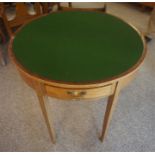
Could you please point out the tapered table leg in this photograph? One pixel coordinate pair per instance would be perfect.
(41, 96)
(112, 100)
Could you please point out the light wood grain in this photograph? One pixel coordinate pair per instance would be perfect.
(40, 91)
(79, 93)
(112, 100)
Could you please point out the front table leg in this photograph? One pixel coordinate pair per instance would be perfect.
(40, 90)
(112, 100)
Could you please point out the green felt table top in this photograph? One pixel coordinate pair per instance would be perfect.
(77, 47)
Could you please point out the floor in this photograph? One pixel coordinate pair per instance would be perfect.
(78, 123)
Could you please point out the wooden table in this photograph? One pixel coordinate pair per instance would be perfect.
(78, 55)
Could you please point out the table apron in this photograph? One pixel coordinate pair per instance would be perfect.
(106, 89)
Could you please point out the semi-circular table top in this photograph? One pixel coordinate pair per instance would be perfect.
(78, 47)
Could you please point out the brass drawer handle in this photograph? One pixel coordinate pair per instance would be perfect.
(76, 93)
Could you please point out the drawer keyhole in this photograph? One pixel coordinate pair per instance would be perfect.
(76, 93)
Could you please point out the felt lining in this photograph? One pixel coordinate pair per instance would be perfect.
(77, 46)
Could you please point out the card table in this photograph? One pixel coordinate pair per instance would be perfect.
(78, 55)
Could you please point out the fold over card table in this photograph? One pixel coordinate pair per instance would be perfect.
(77, 55)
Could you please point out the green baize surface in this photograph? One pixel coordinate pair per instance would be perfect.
(77, 47)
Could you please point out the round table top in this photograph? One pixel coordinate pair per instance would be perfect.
(78, 47)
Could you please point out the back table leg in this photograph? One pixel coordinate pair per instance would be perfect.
(112, 100)
(40, 90)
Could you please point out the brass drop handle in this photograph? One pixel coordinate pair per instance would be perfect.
(76, 93)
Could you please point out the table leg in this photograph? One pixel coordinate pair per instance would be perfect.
(112, 100)
(40, 90)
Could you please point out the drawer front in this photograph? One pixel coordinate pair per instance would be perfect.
(79, 93)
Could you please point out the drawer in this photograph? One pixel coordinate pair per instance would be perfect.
(89, 93)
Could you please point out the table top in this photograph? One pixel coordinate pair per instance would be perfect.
(78, 47)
